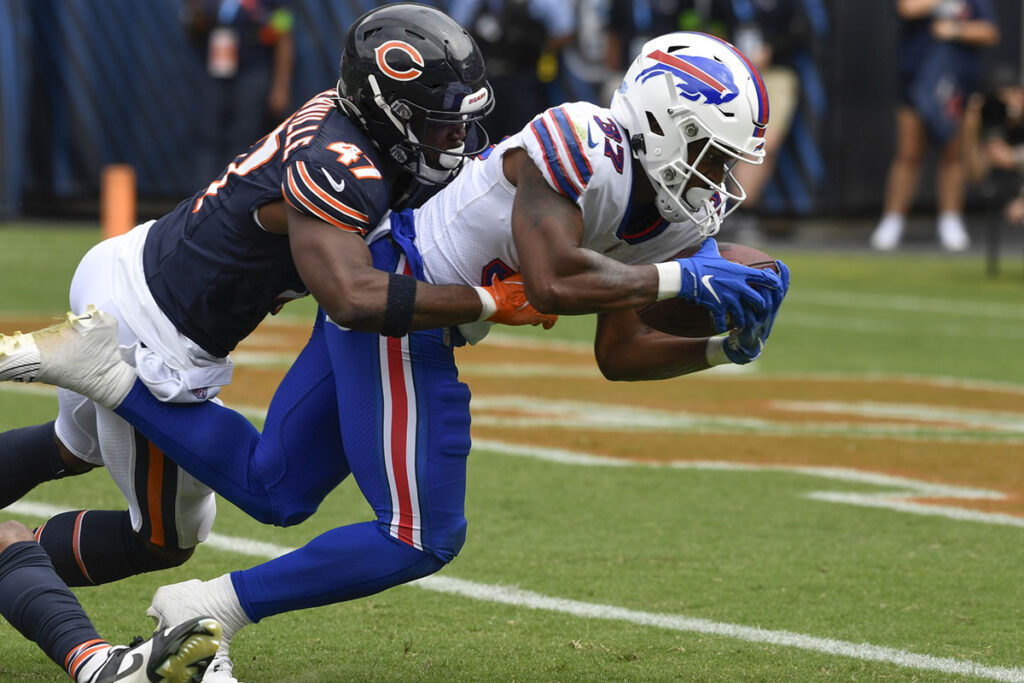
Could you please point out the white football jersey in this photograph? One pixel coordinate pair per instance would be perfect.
(464, 233)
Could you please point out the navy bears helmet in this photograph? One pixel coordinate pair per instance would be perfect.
(407, 67)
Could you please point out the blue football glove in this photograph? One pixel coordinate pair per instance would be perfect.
(746, 344)
(730, 291)
(775, 296)
(743, 346)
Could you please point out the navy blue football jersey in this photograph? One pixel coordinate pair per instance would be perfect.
(210, 266)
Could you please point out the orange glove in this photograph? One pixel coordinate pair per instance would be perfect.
(504, 301)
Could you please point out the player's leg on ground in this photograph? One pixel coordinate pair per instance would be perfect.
(44, 610)
(90, 547)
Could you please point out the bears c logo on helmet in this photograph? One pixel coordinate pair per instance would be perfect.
(403, 69)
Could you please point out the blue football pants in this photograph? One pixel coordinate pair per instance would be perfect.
(390, 411)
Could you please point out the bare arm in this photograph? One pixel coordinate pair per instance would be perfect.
(337, 268)
(628, 350)
(976, 32)
(559, 275)
(916, 9)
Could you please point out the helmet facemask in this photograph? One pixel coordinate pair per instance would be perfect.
(413, 124)
(684, 191)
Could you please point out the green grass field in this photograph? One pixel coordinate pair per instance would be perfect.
(584, 570)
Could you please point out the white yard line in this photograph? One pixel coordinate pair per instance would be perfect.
(510, 595)
(1002, 421)
(540, 413)
(516, 597)
(909, 304)
(902, 499)
(901, 328)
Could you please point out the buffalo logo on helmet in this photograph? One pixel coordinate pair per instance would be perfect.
(393, 64)
(695, 77)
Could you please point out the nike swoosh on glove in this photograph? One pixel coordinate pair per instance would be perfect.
(730, 291)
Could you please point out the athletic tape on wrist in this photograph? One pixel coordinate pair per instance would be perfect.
(714, 352)
(401, 302)
(670, 280)
(487, 304)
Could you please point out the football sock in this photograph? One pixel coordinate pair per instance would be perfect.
(90, 547)
(342, 564)
(216, 598)
(28, 456)
(35, 602)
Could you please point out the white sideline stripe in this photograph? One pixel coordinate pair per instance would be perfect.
(527, 370)
(546, 343)
(998, 421)
(260, 359)
(533, 412)
(900, 500)
(516, 597)
(510, 595)
(937, 381)
(980, 426)
(895, 327)
(909, 304)
(749, 373)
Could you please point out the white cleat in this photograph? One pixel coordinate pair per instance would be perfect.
(952, 232)
(888, 233)
(177, 655)
(80, 354)
(178, 603)
(19, 358)
(219, 670)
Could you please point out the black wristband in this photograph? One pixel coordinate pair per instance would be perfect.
(401, 301)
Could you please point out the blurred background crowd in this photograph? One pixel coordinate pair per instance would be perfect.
(879, 109)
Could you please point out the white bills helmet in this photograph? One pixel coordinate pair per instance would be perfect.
(688, 95)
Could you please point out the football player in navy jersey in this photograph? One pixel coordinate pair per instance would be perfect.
(286, 218)
(583, 200)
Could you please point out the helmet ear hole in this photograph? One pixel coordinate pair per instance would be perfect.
(653, 125)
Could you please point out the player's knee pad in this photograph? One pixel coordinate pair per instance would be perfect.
(90, 547)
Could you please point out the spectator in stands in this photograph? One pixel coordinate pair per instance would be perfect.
(939, 64)
(521, 41)
(771, 37)
(994, 128)
(634, 22)
(247, 53)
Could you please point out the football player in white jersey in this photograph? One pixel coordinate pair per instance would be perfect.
(582, 202)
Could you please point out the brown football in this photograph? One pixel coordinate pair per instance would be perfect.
(685, 319)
